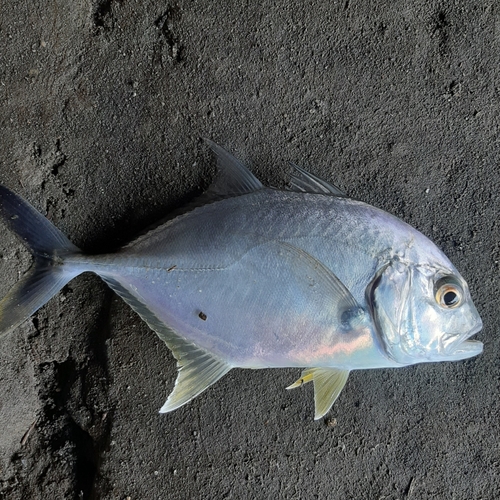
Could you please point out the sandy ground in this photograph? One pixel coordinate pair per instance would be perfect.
(102, 107)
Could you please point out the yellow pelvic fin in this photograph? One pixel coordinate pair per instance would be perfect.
(307, 376)
(328, 382)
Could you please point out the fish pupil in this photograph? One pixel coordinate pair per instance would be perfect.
(450, 298)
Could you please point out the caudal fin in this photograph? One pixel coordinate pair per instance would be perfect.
(49, 248)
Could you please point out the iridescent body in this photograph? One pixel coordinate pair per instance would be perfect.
(254, 277)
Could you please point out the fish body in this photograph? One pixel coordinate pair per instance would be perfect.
(254, 277)
(232, 261)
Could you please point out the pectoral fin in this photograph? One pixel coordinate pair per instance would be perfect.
(328, 382)
(308, 271)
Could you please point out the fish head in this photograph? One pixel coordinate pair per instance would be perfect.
(423, 313)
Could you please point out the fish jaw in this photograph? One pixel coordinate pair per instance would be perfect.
(467, 349)
(463, 347)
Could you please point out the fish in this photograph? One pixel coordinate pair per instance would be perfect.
(249, 276)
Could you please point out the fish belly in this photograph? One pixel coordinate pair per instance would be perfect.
(248, 314)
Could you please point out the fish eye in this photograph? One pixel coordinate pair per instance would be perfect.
(448, 293)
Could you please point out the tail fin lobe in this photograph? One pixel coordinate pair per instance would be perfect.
(48, 275)
(31, 227)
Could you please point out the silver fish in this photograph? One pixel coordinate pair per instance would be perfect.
(254, 277)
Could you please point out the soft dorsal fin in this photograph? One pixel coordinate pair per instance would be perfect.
(305, 182)
(198, 368)
(328, 382)
(233, 178)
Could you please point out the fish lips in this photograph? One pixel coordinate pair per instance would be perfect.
(462, 347)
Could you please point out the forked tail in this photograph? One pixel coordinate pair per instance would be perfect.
(47, 275)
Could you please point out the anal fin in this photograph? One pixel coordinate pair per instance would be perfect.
(328, 383)
(198, 368)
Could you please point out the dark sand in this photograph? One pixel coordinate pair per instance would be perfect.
(102, 107)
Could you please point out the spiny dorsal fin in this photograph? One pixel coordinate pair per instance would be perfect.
(198, 369)
(233, 178)
(328, 382)
(305, 182)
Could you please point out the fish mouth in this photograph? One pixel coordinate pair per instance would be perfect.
(467, 349)
(464, 348)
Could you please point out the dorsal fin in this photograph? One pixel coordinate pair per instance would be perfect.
(233, 178)
(305, 182)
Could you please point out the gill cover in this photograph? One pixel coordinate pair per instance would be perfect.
(388, 298)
